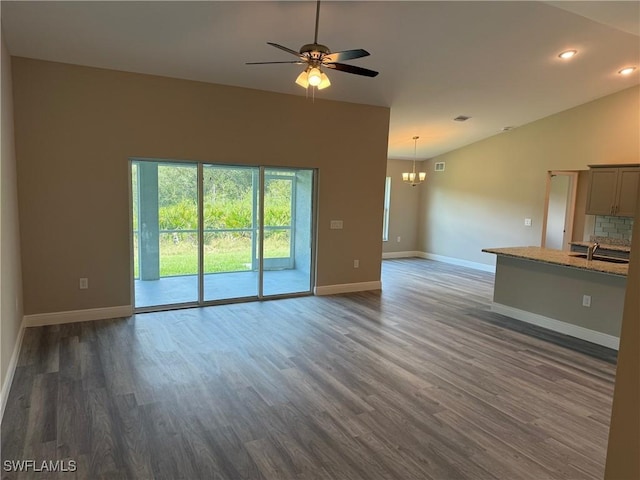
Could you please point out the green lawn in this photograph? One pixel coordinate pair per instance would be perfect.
(222, 253)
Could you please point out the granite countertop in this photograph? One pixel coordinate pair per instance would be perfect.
(605, 246)
(559, 257)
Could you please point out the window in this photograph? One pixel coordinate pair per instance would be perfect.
(387, 204)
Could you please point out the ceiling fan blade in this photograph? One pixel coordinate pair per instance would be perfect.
(343, 67)
(298, 62)
(293, 52)
(345, 55)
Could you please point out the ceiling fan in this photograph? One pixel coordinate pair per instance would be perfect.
(317, 56)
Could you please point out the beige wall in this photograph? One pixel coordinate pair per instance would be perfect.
(403, 214)
(10, 273)
(623, 461)
(76, 127)
(489, 187)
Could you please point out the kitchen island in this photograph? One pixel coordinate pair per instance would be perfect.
(555, 289)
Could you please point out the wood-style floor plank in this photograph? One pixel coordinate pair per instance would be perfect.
(419, 381)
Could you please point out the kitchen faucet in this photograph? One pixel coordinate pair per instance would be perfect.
(591, 250)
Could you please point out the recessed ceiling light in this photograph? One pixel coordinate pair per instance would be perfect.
(567, 54)
(627, 71)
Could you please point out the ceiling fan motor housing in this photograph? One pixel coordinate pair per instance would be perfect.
(315, 50)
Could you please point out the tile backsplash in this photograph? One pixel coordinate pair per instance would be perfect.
(613, 227)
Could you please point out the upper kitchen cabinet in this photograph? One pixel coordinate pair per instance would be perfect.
(613, 190)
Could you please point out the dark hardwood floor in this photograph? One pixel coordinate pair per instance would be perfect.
(419, 381)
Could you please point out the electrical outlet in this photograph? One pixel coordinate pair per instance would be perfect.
(356, 264)
(527, 222)
(398, 239)
(84, 283)
(336, 225)
(586, 300)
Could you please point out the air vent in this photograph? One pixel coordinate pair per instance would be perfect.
(461, 118)
(439, 167)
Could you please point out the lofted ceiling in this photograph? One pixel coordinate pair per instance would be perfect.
(495, 62)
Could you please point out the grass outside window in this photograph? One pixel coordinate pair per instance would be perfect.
(223, 252)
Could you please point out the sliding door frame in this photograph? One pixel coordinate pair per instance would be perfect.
(261, 184)
(259, 193)
(200, 232)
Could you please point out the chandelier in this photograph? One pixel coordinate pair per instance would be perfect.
(413, 178)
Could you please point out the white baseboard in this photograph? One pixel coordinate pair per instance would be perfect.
(460, 262)
(11, 370)
(347, 288)
(577, 331)
(56, 318)
(441, 258)
(402, 254)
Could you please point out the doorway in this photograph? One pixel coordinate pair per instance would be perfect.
(560, 202)
(204, 234)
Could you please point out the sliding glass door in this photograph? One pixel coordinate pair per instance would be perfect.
(288, 228)
(230, 196)
(205, 233)
(165, 233)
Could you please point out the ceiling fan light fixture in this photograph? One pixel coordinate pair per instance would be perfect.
(324, 81)
(314, 77)
(303, 79)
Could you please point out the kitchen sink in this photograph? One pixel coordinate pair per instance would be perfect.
(601, 258)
